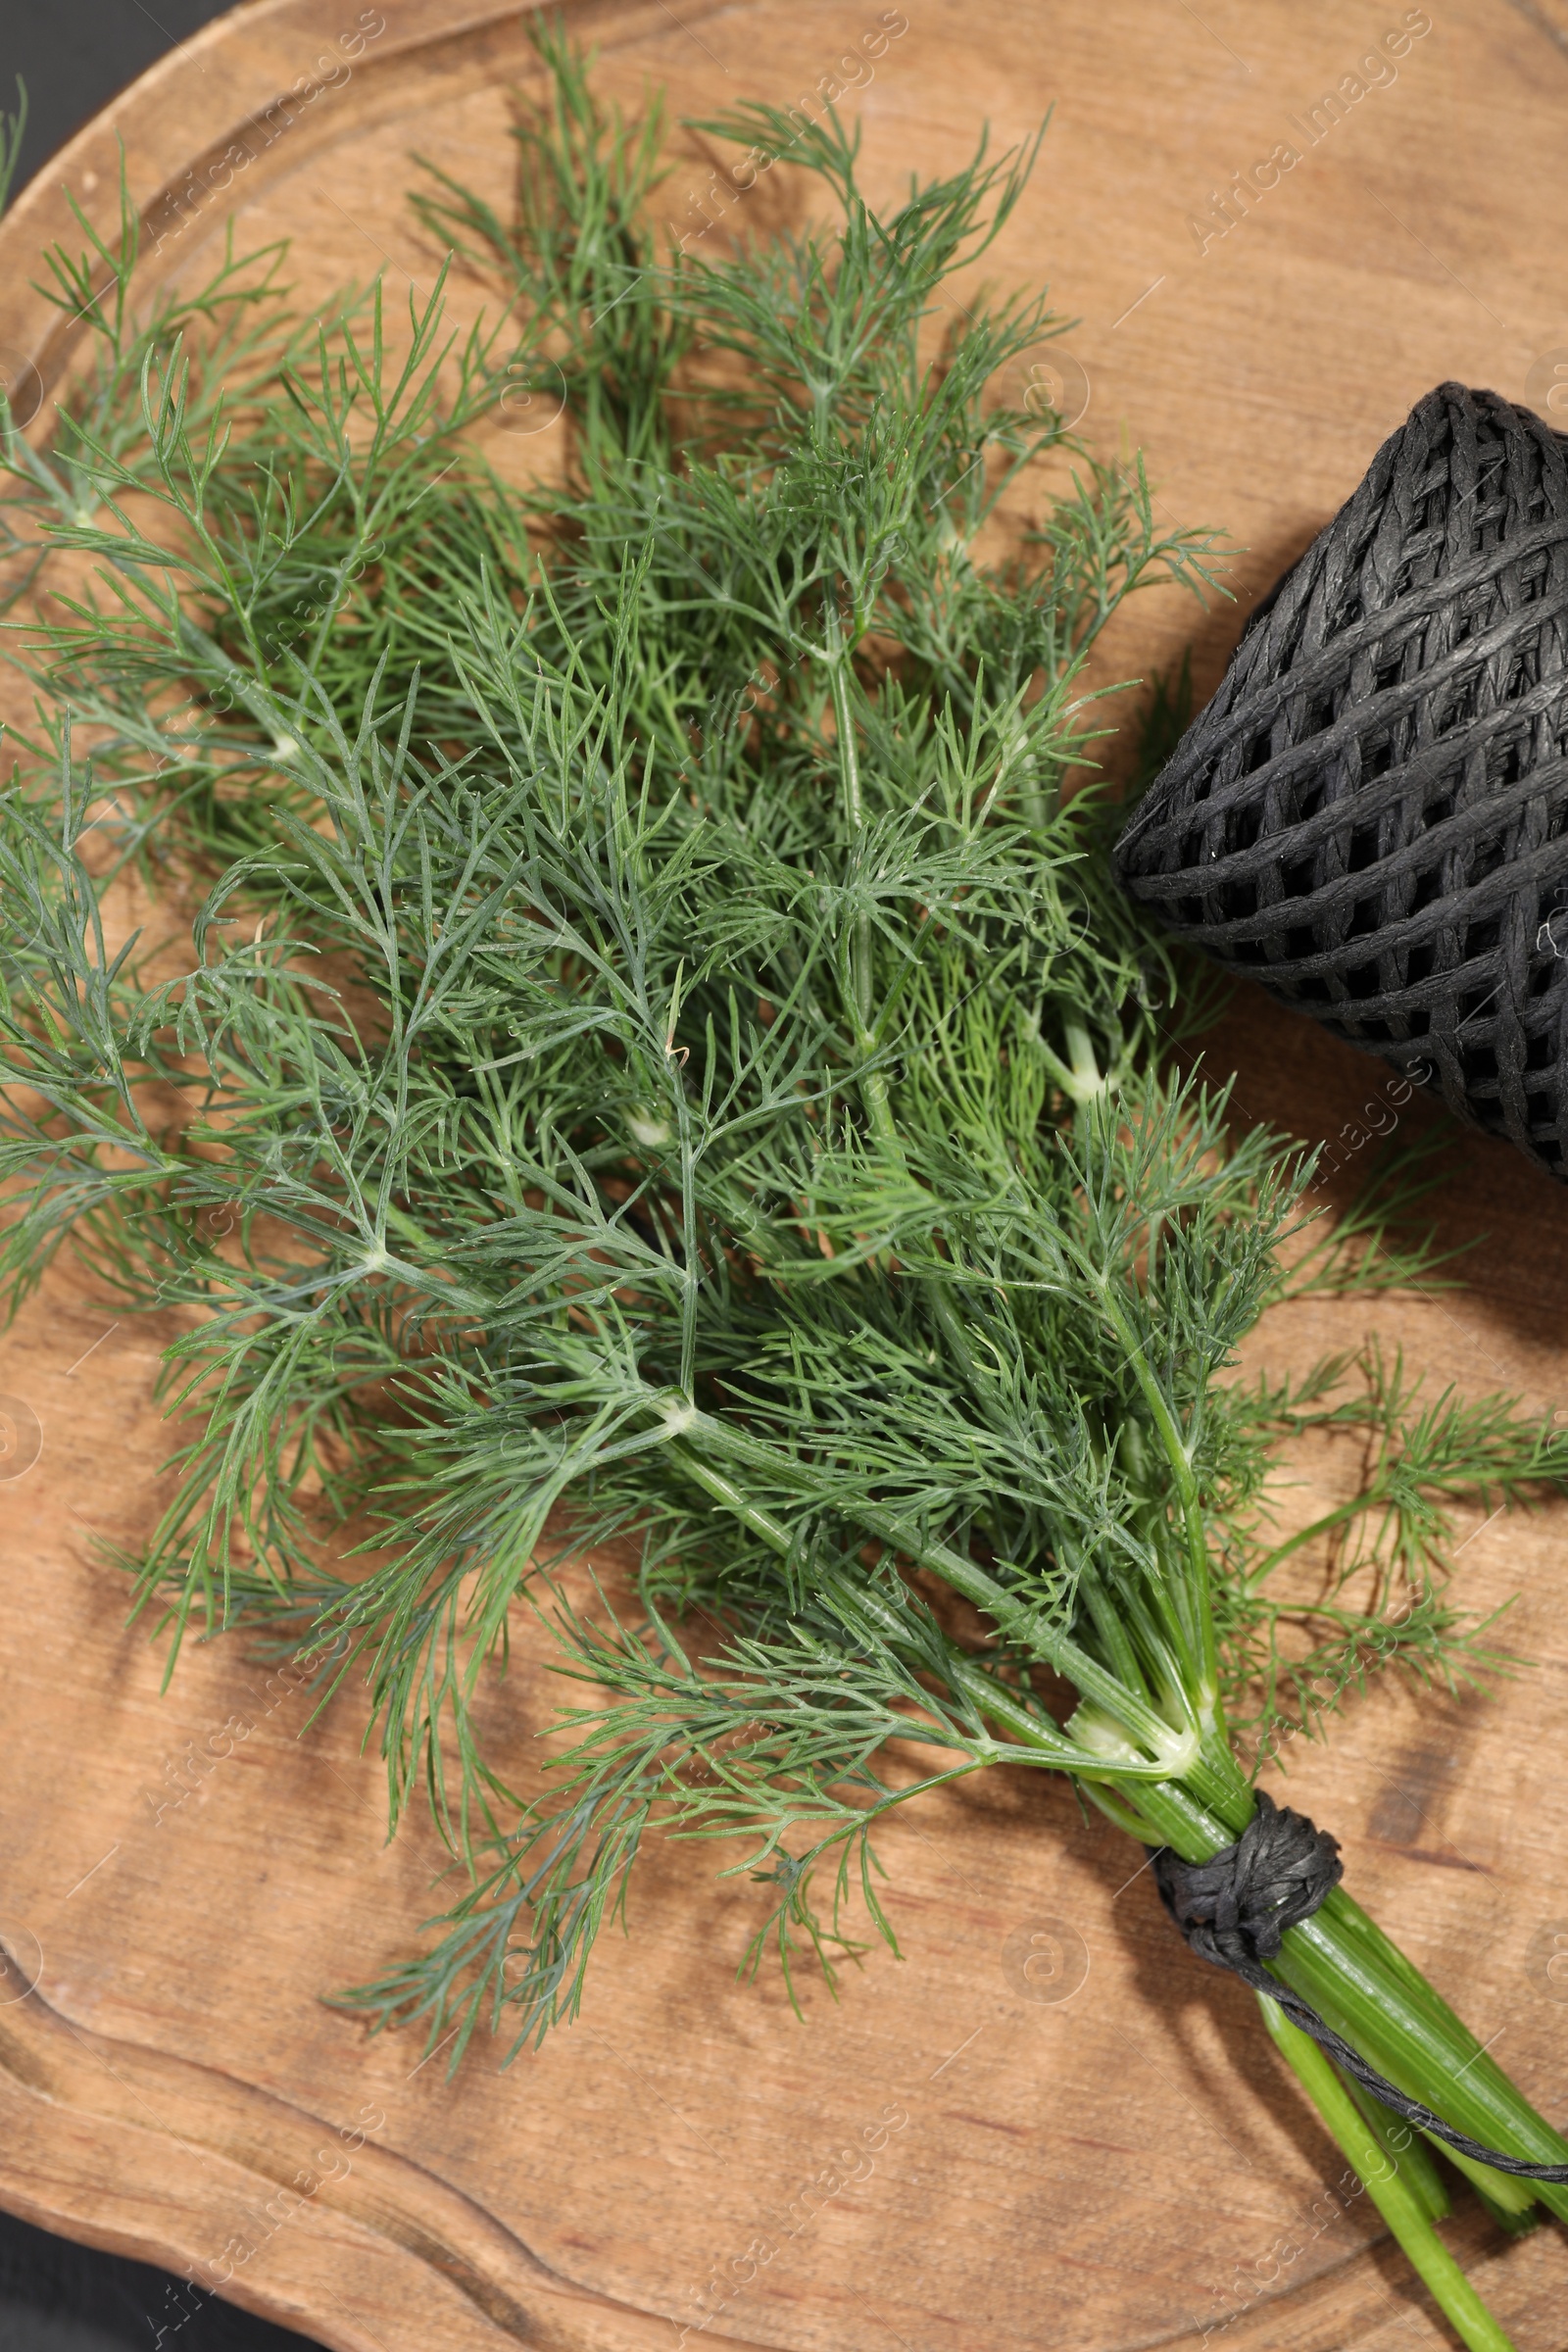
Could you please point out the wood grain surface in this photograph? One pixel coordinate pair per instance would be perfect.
(1120, 2166)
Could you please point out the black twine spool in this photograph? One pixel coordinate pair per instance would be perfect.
(1371, 816)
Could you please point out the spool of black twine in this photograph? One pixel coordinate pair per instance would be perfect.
(1371, 816)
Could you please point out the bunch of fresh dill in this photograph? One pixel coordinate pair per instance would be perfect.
(663, 1064)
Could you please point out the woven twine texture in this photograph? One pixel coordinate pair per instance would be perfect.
(1369, 818)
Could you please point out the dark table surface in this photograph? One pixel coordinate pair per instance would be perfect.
(73, 56)
(57, 2297)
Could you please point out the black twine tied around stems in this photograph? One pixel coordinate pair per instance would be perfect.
(1371, 816)
(1234, 1911)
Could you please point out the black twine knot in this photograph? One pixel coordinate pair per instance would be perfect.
(1234, 1910)
(1237, 1907)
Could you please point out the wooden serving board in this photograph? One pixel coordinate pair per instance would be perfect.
(1047, 2127)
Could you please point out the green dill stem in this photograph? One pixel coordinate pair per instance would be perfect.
(1188, 1496)
(873, 1084)
(1115, 1637)
(1358, 1507)
(976, 1683)
(1398, 2199)
(1340, 1961)
(1089, 1080)
(1214, 1774)
(1408, 2148)
(1168, 1814)
(1367, 1990)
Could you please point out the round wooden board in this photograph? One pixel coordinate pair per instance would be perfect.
(1120, 2167)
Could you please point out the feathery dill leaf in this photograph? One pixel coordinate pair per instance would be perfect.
(662, 1064)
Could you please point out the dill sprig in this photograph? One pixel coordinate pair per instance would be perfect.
(662, 1064)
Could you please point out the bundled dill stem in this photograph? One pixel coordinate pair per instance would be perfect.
(664, 1065)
